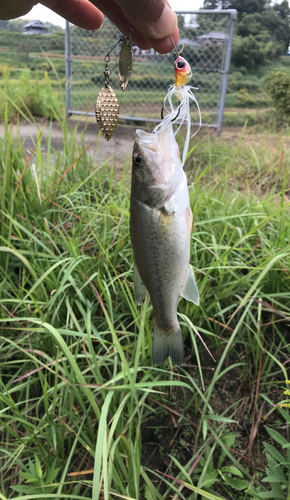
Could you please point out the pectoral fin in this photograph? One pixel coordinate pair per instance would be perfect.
(140, 290)
(190, 290)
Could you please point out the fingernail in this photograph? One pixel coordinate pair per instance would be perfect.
(166, 23)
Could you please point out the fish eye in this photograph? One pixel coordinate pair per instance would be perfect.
(180, 64)
(137, 159)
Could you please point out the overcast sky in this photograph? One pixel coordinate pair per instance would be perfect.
(45, 14)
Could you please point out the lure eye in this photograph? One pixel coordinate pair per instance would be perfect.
(180, 64)
(137, 159)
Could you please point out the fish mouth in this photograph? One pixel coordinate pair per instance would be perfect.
(155, 142)
(147, 140)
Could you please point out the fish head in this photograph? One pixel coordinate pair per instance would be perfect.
(156, 166)
(182, 71)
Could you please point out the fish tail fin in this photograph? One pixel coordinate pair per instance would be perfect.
(167, 345)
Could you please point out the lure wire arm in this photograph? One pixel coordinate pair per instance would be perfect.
(121, 38)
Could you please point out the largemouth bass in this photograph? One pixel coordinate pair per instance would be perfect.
(160, 226)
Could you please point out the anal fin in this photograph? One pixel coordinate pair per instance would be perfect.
(140, 290)
(190, 290)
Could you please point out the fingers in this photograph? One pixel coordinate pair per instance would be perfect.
(80, 12)
(11, 10)
(142, 36)
(165, 45)
(114, 12)
(153, 18)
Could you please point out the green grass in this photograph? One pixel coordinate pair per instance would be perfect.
(79, 399)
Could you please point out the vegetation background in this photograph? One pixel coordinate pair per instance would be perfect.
(83, 414)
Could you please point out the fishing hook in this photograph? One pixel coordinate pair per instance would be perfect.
(173, 119)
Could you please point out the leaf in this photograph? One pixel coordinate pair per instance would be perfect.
(273, 452)
(38, 467)
(276, 436)
(232, 470)
(228, 440)
(33, 469)
(20, 257)
(205, 494)
(204, 429)
(29, 478)
(236, 484)
(285, 414)
(102, 429)
(219, 418)
(52, 475)
(22, 489)
(209, 479)
(271, 494)
(272, 479)
(275, 469)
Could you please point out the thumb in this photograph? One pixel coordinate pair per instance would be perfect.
(153, 18)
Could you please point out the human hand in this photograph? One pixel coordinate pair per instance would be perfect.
(153, 20)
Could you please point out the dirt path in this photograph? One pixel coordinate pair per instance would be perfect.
(119, 148)
(120, 145)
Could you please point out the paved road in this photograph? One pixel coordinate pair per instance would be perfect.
(120, 145)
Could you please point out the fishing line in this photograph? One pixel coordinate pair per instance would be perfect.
(177, 52)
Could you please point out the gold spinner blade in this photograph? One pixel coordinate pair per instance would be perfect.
(107, 111)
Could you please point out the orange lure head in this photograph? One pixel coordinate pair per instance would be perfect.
(182, 71)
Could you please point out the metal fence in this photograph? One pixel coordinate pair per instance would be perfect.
(206, 36)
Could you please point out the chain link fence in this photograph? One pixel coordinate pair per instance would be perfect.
(206, 37)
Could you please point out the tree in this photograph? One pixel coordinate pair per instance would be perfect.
(249, 6)
(250, 24)
(282, 9)
(216, 4)
(23, 47)
(277, 26)
(262, 29)
(247, 52)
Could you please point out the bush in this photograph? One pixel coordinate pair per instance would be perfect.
(238, 81)
(33, 95)
(248, 100)
(278, 85)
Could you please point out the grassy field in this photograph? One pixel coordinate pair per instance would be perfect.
(83, 414)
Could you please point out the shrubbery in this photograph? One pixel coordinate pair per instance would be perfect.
(237, 81)
(278, 85)
(249, 100)
(36, 96)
